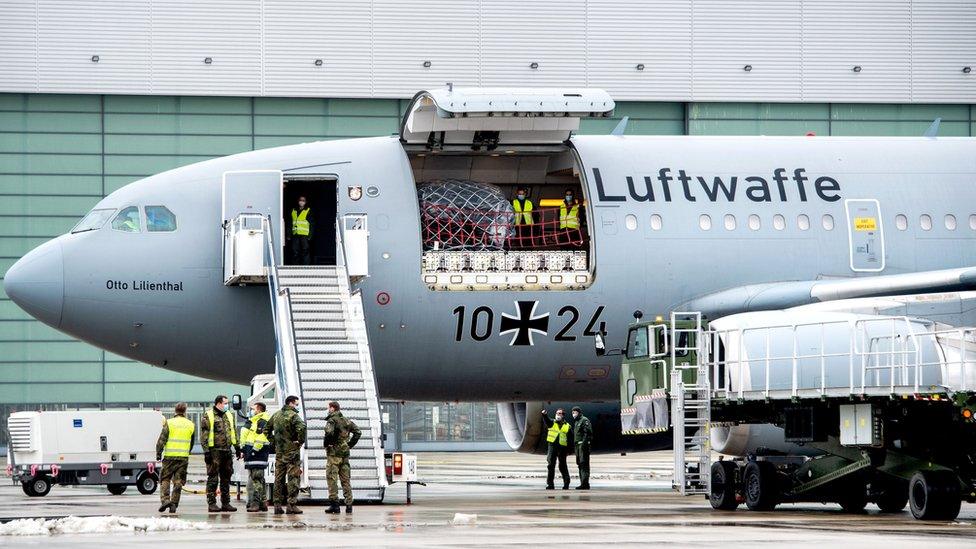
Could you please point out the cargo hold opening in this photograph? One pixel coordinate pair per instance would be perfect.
(473, 152)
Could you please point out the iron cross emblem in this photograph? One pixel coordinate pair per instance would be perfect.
(525, 323)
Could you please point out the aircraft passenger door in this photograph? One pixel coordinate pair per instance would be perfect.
(257, 191)
(865, 235)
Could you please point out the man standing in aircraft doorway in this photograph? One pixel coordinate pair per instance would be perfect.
(300, 235)
(582, 438)
(557, 436)
(218, 436)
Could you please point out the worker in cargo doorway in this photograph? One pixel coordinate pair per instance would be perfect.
(569, 221)
(300, 235)
(173, 448)
(287, 431)
(524, 222)
(218, 434)
(557, 435)
(582, 439)
(256, 451)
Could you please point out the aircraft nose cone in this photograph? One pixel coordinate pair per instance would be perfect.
(36, 283)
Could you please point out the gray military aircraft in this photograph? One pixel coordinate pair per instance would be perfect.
(459, 308)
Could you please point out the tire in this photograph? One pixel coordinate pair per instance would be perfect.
(760, 486)
(853, 497)
(893, 497)
(722, 496)
(934, 495)
(39, 487)
(28, 489)
(147, 483)
(116, 489)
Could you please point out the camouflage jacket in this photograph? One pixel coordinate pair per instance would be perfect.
(341, 434)
(223, 431)
(582, 430)
(286, 431)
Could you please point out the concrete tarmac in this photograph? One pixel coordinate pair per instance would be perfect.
(631, 504)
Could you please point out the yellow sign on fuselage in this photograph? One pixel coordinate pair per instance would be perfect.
(865, 224)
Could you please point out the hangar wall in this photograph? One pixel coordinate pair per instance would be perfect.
(59, 154)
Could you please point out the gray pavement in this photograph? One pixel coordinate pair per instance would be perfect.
(631, 504)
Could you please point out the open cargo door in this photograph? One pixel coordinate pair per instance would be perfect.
(486, 118)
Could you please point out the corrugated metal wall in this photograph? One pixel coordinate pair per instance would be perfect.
(690, 50)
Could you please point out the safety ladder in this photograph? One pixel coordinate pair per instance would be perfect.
(690, 406)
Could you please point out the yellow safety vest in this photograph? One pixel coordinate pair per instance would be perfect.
(250, 435)
(180, 435)
(560, 432)
(299, 222)
(568, 220)
(233, 428)
(523, 216)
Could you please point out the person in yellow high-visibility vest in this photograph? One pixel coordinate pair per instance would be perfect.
(218, 436)
(300, 233)
(522, 207)
(173, 448)
(569, 219)
(557, 435)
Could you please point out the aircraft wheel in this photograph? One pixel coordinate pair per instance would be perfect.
(147, 483)
(760, 486)
(38, 487)
(853, 497)
(723, 496)
(934, 495)
(116, 489)
(893, 497)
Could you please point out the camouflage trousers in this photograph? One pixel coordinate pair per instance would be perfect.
(219, 471)
(337, 471)
(288, 478)
(257, 493)
(172, 476)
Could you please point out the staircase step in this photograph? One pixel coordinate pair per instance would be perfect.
(329, 376)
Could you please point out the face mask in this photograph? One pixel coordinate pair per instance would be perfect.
(569, 198)
(521, 196)
(575, 415)
(559, 417)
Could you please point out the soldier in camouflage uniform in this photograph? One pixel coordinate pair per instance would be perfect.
(218, 436)
(341, 434)
(173, 448)
(582, 439)
(286, 430)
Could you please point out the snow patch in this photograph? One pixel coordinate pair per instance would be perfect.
(462, 518)
(96, 525)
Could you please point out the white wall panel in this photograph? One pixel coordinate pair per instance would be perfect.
(943, 42)
(297, 32)
(186, 32)
(70, 32)
(515, 34)
(841, 34)
(409, 33)
(18, 44)
(730, 35)
(622, 34)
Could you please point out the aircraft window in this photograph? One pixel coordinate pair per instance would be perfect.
(901, 221)
(803, 222)
(705, 222)
(972, 222)
(127, 220)
(630, 221)
(637, 343)
(730, 222)
(754, 222)
(779, 222)
(160, 219)
(656, 222)
(828, 222)
(925, 221)
(950, 222)
(93, 221)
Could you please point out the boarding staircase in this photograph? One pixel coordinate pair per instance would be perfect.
(323, 354)
(690, 407)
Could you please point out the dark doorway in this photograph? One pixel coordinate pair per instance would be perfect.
(320, 198)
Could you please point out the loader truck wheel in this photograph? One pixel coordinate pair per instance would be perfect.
(934, 495)
(852, 496)
(722, 496)
(116, 489)
(893, 497)
(760, 486)
(147, 483)
(37, 487)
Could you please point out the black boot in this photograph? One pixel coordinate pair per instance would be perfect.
(163, 507)
(333, 508)
(348, 509)
(292, 510)
(213, 508)
(227, 508)
(279, 510)
(172, 508)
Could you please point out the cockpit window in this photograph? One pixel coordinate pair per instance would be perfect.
(637, 343)
(160, 219)
(93, 221)
(127, 220)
